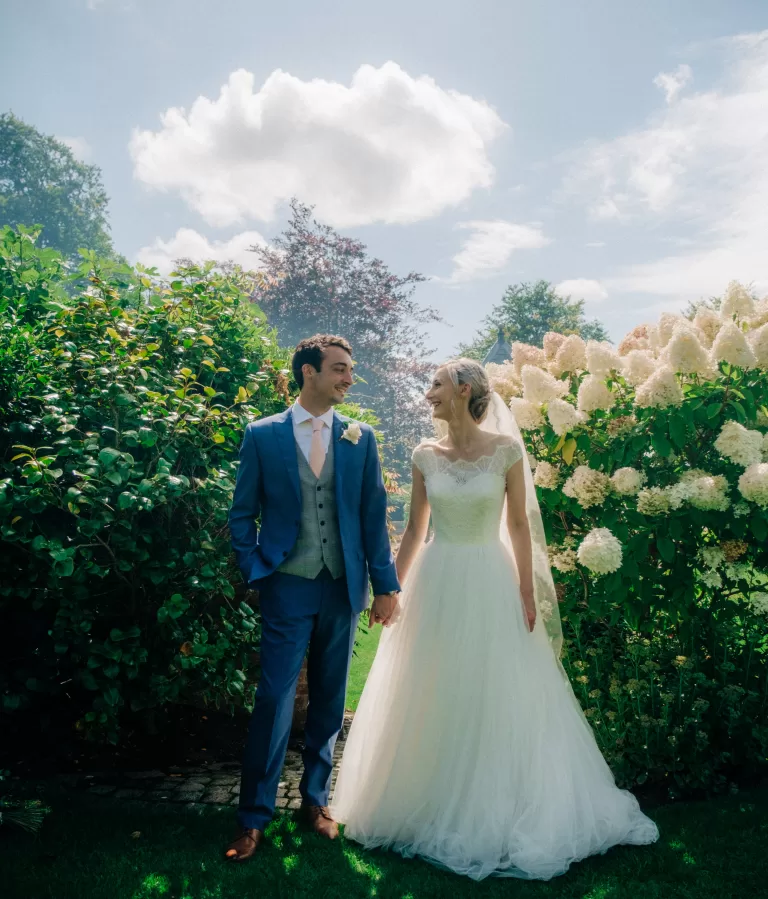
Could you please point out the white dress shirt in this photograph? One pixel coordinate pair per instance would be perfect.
(302, 428)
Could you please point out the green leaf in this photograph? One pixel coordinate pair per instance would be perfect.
(760, 528)
(678, 431)
(109, 456)
(660, 443)
(666, 548)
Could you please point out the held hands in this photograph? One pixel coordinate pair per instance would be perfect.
(385, 609)
(529, 607)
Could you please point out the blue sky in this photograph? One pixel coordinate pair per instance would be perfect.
(618, 149)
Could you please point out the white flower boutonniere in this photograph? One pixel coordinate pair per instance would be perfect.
(352, 432)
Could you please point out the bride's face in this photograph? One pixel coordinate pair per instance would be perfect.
(443, 397)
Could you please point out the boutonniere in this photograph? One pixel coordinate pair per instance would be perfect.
(352, 432)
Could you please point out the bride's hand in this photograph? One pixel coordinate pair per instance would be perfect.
(529, 607)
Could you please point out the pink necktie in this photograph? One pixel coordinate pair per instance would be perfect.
(316, 449)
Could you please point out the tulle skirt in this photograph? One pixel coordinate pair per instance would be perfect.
(469, 748)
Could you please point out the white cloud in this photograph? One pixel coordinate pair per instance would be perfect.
(582, 289)
(189, 244)
(387, 148)
(79, 146)
(672, 83)
(699, 171)
(595, 244)
(489, 247)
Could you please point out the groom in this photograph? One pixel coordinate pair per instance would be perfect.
(312, 478)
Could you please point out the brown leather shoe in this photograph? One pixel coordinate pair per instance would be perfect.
(244, 847)
(321, 822)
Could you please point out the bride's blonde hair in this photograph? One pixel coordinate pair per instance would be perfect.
(467, 371)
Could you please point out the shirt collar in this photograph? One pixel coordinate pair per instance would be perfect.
(301, 415)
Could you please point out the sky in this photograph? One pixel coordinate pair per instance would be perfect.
(616, 149)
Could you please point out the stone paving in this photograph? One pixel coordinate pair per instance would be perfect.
(211, 785)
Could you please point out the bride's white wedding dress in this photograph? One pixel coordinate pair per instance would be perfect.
(469, 748)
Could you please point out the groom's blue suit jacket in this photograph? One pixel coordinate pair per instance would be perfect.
(268, 488)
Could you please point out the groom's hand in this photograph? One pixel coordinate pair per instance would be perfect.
(383, 609)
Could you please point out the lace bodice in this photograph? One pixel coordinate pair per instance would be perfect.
(466, 498)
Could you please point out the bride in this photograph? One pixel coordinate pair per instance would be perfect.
(469, 748)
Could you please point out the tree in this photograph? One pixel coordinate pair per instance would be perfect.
(42, 183)
(525, 314)
(318, 281)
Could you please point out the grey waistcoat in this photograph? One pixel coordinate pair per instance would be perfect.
(319, 540)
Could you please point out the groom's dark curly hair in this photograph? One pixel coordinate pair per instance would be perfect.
(311, 351)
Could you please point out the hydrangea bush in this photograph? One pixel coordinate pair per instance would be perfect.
(651, 464)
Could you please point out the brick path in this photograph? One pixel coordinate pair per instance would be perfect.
(212, 785)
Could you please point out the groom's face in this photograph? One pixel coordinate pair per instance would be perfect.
(331, 383)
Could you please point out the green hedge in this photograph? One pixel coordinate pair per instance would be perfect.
(123, 400)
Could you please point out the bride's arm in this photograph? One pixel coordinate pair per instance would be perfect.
(416, 529)
(520, 534)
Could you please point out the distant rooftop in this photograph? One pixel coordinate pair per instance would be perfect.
(500, 352)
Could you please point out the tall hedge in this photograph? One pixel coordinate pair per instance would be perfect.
(123, 400)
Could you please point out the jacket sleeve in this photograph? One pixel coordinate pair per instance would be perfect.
(246, 506)
(373, 509)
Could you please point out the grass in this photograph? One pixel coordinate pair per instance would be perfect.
(92, 848)
(365, 649)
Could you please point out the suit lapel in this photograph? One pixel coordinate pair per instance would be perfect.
(340, 450)
(288, 449)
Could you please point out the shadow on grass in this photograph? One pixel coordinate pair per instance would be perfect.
(100, 849)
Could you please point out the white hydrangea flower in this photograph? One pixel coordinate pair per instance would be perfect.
(552, 343)
(662, 389)
(528, 416)
(753, 484)
(504, 380)
(758, 341)
(563, 417)
(572, 354)
(628, 481)
(547, 476)
(525, 354)
(600, 551)
(737, 302)
(638, 366)
(764, 448)
(685, 354)
(588, 486)
(654, 341)
(554, 369)
(759, 603)
(564, 560)
(740, 445)
(602, 358)
(595, 394)
(636, 339)
(711, 578)
(738, 571)
(709, 323)
(731, 346)
(760, 317)
(740, 509)
(540, 386)
(654, 501)
(669, 322)
(712, 556)
(703, 490)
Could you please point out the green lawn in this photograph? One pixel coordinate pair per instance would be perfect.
(93, 848)
(365, 650)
